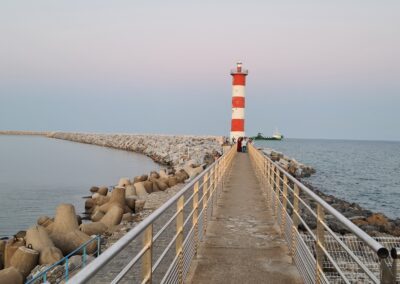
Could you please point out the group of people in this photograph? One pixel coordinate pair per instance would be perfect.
(242, 143)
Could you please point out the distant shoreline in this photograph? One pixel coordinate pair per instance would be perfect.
(18, 132)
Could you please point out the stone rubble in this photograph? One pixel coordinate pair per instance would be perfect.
(170, 150)
(374, 223)
(290, 165)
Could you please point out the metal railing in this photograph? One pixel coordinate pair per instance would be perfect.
(41, 277)
(160, 248)
(321, 255)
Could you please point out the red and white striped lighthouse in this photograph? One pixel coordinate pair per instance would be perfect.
(238, 101)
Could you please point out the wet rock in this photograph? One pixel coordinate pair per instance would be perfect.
(139, 205)
(75, 262)
(94, 189)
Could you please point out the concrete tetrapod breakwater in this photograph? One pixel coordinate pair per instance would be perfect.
(112, 212)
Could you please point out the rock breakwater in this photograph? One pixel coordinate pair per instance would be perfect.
(374, 223)
(110, 212)
(170, 150)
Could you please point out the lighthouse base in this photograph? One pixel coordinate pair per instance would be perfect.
(236, 135)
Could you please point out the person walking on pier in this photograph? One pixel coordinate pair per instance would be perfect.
(239, 144)
(244, 145)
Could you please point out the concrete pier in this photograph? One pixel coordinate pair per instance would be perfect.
(242, 244)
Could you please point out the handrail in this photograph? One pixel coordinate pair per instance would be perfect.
(381, 251)
(43, 274)
(278, 183)
(211, 177)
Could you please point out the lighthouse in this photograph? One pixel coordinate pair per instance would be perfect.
(238, 101)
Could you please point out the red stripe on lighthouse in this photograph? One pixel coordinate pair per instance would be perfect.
(239, 79)
(237, 125)
(238, 102)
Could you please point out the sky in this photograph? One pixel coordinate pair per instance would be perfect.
(317, 69)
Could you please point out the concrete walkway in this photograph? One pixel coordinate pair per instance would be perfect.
(242, 244)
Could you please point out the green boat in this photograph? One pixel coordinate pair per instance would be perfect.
(275, 136)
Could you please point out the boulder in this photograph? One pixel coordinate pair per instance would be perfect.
(155, 186)
(95, 228)
(163, 174)
(193, 172)
(94, 189)
(24, 260)
(130, 201)
(102, 200)
(172, 180)
(123, 182)
(38, 239)
(96, 216)
(10, 248)
(161, 184)
(2, 248)
(154, 175)
(103, 190)
(148, 185)
(140, 178)
(74, 262)
(128, 217)
(95, 195)
(113, 216)
(130, 190)
(90, 203)
(11, 275)
(379, 220)
(20, 235)
(65, 232)
(140, 189)
(117, 198)
(139, 205)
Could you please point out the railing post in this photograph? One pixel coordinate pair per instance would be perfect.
(277, 191)
(205, 194)
(272, 183)
(320, 243)
(284, 203)
(147, 261)
(195, 217)
(179, 239)
(295, 217)
(386, 275)
(67, 269)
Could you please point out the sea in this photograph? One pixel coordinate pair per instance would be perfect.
(38, 173)
(364, 172)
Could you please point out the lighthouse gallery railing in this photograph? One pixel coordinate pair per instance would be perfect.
(161, 247)
(321, 255)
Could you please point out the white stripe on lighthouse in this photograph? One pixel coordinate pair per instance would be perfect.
(237, 134)
(237, 113)
(238, 91)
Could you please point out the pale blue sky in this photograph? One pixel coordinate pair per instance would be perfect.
(317, 69)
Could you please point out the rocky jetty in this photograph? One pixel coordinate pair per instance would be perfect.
(289, 164)
(374, 223)
(170, 150)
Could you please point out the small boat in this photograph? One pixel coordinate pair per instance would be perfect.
(275, 136)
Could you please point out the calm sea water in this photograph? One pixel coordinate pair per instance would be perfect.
(38, 173)
(365, 172)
